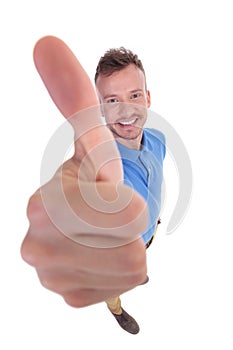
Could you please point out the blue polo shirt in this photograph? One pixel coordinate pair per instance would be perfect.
(143, 171)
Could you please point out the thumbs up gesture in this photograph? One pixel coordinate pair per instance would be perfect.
(85, 224)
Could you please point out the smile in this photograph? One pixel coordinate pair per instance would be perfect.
(127, 122)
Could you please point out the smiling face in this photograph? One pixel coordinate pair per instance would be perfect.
(125, 100)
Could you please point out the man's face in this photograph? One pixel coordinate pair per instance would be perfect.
(125, 101)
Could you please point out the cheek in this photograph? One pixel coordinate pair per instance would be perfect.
(144, 101)
(109, 119)
(111, 112)
(143, 106)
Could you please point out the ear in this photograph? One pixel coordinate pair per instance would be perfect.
(148, 99)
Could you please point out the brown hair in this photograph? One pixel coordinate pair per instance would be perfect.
(116, 60)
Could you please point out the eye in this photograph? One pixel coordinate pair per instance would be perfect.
(112, 100)
(135, 95)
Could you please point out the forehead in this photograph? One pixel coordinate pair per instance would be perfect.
(128, 78)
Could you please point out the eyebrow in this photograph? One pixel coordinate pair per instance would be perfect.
(115, 95)
(136, 90)
(109, 96)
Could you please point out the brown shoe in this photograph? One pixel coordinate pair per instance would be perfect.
(127, 322)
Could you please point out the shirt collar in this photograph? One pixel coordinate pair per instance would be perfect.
(127, 152)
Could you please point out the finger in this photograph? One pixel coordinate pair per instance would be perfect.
(61, 280)
(94, 214)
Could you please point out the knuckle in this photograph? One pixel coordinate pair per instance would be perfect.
(48, 279)
(36, 252)
(35, 207)
(76, 299)
(46, 283)
(139, 277)
(27, 252)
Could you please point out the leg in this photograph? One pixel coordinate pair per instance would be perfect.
(114, 305)
(126, 321)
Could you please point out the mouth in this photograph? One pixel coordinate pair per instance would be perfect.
(127, 122)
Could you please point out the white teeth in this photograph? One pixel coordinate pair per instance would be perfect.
(128, 122)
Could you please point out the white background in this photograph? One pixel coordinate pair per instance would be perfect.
(186, 48)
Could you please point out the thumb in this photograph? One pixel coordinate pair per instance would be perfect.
(67, 82)
(72, 92)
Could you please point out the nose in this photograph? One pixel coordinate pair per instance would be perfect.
(124, 109)
(129, 110)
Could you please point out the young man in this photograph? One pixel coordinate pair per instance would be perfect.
(53, 244)
(122, 90)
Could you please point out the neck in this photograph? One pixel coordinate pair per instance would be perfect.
(133, 144)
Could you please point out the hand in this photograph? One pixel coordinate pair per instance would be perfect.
(85, 224)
